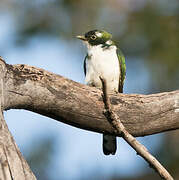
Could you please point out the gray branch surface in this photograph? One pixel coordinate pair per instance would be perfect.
(51, 95)
(64, 100)
(12, 164)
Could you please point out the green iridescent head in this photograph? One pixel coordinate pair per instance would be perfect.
(96, 37)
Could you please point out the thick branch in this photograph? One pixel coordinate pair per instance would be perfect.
(12, 164)
(40, 91)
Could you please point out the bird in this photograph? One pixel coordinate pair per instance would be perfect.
(104, 60)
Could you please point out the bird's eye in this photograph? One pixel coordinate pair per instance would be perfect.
(93, 37)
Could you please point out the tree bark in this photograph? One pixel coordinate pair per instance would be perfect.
(12, 164)
(37, 90)
(64, 100)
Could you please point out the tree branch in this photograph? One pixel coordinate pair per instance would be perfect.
(141, 150)
(12, 164)
(40, 91)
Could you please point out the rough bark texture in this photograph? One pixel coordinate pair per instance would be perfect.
(40, 91)
(37, 90)
(12, 164)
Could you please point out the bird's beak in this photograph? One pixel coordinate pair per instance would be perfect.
(81, 38)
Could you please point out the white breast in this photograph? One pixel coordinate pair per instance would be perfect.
(104, 63)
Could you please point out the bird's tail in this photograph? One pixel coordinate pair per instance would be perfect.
(109, 144)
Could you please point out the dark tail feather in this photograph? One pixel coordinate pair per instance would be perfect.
(109, 144)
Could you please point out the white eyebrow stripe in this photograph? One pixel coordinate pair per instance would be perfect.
(98, 34)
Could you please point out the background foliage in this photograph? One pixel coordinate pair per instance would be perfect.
(146, 31)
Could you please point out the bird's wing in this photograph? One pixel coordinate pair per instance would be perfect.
(122, 66)
(84, 64)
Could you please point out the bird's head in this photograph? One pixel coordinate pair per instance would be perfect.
(96, 37)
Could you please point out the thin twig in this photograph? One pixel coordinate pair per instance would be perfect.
(141, 150)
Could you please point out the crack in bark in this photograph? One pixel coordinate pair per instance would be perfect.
(21, 94)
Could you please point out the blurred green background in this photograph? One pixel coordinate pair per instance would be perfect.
(42, 33)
